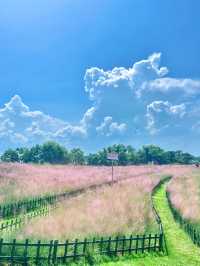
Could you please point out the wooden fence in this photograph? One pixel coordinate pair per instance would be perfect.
(14, 209)
(16, 222)
(53, 252)
(28, 205)
(157, 216)
(185, 224)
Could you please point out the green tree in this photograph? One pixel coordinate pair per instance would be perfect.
(93, 159)
(36, 154)
(102, 155)
(169, 157)
(21, 152)
(77, 156)
(10, 155)
(151, 153)
(26, 156)
(131, 155)
(53, 153)
(122, 153)
(184, 158)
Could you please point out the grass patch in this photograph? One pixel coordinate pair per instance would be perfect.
(181, 250)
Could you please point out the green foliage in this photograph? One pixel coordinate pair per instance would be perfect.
(77, 156)
(181, 250)
(10, 156)
(54, 153)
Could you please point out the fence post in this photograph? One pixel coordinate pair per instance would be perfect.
(1, 246)
(136, 245)
(161, 242)
(13, 251)
(55, 248)
(26, 251)
(11, 224)
(38, 252)
(109, 245)
(116, 244)
(155, 242)
(197, 238)
(84, 246)
(143, 243)
(123, 244)
(75, 248)
(50, 250)
(130, 244)
(149, 244)
(65, 251)
(93, 243)
(101, 245)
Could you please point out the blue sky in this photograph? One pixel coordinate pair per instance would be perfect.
(48, 47)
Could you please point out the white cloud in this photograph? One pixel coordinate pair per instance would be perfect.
(179, 110)
(97, 80)
(126, 104)
(160, 115)
(6, 124)
(14, 105)
(20, 126)
(108, 127)
(88, 116)
(187, 86)
(71, 131)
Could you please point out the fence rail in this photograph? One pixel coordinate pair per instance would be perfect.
(54, 251)
(16, 222)
(14, 209)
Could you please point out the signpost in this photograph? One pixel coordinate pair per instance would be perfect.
(113, 156)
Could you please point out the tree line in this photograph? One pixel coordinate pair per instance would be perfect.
(54, 153)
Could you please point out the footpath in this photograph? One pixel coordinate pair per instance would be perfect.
(181, 250)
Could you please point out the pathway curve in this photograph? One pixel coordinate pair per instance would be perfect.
(181, 250)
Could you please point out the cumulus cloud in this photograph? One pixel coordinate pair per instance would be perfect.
(188, 86)
(127, 104)
(108, 127)
(88, 117)
(71, 131)
(97, 81)
(21, 126)
(6, 125)
(161, 115)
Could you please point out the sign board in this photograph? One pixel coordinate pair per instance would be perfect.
(112, 156)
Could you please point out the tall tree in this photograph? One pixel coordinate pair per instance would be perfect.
(10, 155)
(52, 152)
(77, 156)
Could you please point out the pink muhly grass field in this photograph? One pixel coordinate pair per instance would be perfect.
(18, 181)
(184, 192)
(123, 208)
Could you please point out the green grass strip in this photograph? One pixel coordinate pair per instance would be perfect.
(181, 250)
